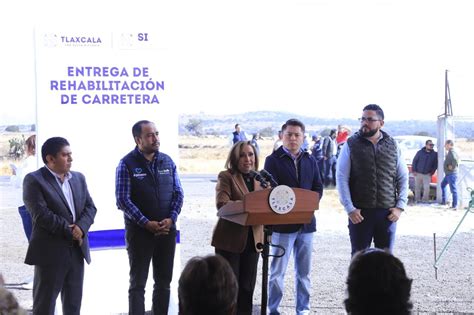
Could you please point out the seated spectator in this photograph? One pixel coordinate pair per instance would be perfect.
(8, 302)
(207, 285)
(377, 284)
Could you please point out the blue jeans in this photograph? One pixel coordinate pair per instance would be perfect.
(301, 244)
(450, 179)
(375, 226)
(330, 171)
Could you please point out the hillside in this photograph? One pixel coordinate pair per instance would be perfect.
(270, 122)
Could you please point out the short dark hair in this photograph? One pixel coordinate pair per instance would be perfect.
(232, 162)
(207, 285)
(137, 127)
(293, 122)
(375, 108)
(428, 141)
(450, 142)
(332, 132)
(236, 125)
(377, 284)
(52, 146)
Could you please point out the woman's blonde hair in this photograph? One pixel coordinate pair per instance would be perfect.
(232, 162)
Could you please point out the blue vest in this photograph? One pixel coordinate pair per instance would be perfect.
(151, 190)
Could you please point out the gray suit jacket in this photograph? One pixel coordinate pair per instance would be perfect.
(51, 236)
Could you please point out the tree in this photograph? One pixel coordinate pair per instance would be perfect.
(422, 133)
(17, 147)
(194, 126)
(13, 128)
(267, 132)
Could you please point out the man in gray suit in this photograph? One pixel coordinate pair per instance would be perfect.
(62, 212)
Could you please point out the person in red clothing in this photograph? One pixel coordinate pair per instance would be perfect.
(343, 133)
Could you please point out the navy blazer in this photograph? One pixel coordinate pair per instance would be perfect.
(281, 165)
(51, 236)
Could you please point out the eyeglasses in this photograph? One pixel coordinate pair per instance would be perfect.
(368, 119)
(430, 144)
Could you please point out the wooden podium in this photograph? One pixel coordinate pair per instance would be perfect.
(255, 210)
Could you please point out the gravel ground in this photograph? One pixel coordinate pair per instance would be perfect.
(451, 293)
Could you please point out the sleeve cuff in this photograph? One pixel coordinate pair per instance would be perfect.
(174, 216)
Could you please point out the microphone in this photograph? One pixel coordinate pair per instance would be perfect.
(259, 177)
(268, 177)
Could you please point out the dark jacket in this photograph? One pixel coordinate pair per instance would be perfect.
(425, 162)
(451, 162)
(51, 237)
(317, 151)
(373, 177)
(328, 147)
(306, 175)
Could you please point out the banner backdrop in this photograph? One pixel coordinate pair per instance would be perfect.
(92, 86)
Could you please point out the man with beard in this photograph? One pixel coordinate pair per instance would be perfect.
(148, 191)
(423, 166)
(372, 181)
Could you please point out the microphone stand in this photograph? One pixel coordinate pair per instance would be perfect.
(263, 177)
(267, 239)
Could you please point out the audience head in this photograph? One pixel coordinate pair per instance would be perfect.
(240, 150)
(8, 302)
(207, 285)
(377, 284)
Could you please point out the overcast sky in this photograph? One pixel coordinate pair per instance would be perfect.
(319, 58)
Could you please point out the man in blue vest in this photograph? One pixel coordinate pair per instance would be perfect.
(238, 134)
(148, 191)
(372, 181)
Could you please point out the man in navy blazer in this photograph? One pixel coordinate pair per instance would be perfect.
(62, 211)
(292, 166)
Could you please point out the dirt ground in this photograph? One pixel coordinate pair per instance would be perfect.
(451, 293)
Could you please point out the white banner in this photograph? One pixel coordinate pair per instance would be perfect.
(92, 86)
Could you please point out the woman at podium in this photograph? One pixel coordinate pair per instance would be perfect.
(238, 243)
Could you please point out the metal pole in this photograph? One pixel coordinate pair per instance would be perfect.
(434, 251)
(451, 237)
(265, 254)
(468, 209)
